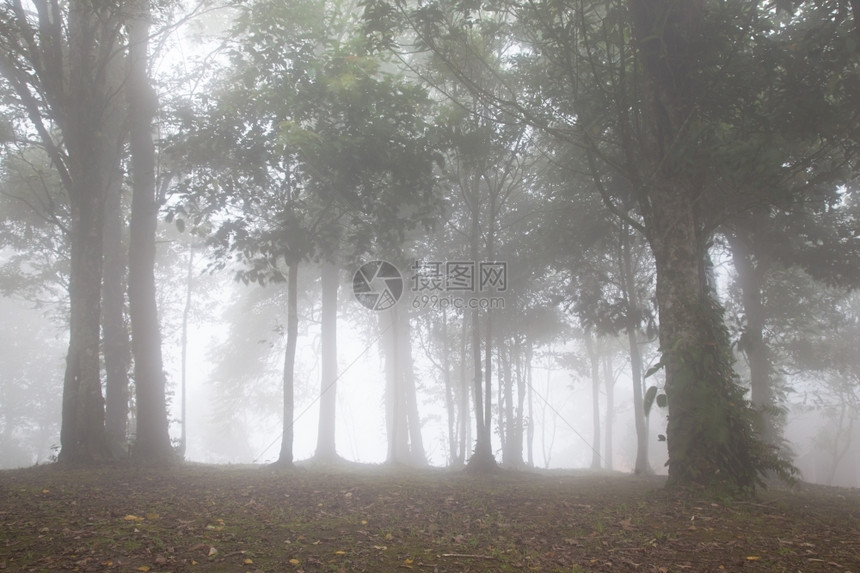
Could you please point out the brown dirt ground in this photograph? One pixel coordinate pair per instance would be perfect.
(235, 519)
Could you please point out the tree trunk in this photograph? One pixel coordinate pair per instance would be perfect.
(609, 419)
(751, 273)
(186, 316)
(330, 281)
(153, 440)
(628, 275)
(89, 119)
(594, 359)
(395, 403)
(530, 432)
(117, 350)
(708, 438)
(285, 458)
(417, 455)
(450, 398)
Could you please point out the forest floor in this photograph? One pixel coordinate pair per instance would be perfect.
(236, 519)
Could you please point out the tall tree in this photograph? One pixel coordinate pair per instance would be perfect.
(629, 83)
(64, 62)
(152, 441)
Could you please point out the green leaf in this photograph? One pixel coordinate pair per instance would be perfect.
(648, 401)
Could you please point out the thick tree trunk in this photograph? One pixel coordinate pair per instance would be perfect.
(330, 281)
(285, 458)
(153, 440)
(88, 117)
(117, 347)
(82, 433)
(708, 440)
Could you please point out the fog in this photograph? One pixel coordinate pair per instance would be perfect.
(824, 447)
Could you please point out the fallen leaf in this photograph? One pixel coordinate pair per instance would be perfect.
(753, 558)
(249, 561)
(131, 517)
(340, 552)
(212, 552)
(294, 561)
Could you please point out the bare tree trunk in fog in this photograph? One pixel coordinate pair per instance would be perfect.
(450, 403)
(117, 348)
(521, 397)
(628, 277)
(594, 358)
(395, 403)
(407, 379)
(609, 383)
(152, 441)
(330, 279)
(85, 107)
(186, 316)
(464, 412)
(530, 420)
(285, 458)
(751, 271)
(483, 454)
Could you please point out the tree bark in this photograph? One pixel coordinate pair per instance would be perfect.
(153, 440)
(628, 275)
(609, 418)
(326, 448)
(751, 273)
(285, 458)
(117, 349)
(594, 359)
(87, 112)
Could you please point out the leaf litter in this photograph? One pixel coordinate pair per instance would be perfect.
(233, 518)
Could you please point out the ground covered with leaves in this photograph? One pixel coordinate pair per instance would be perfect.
(205, 518)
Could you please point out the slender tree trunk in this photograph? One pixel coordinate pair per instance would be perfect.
(530, 436)
(642, 465)
(285, 458)
(521, 397)
(594, 358)
(330, 279)
(751, 273)
(186, 316)
(395, 402)
(117, 349)
(417, 455)
(483, 455)
(609, 419)
(152, 440)
(464, 412)
(450, 397)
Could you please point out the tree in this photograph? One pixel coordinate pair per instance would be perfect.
(152, 441)
(628, 84)
(309, 150)
(64, 65)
